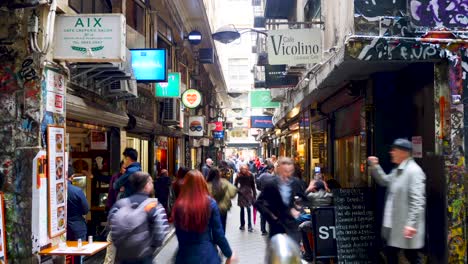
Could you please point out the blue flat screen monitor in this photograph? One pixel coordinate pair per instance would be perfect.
(149, 65)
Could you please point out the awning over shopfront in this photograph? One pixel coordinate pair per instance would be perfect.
(364, 55)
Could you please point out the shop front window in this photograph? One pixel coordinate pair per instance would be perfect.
(350, 146)
(142, 147)
(319, 145)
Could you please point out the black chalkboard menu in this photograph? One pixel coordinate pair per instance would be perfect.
(355, 225)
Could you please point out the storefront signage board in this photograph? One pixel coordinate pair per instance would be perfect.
(276, 76)
(323, 219)
(3, 253)
(294, 46)
(218, 134)
(191, 98)
(261, 122)
(57, 167)
(262, 99)
(417, 147)
(39, 224)
(55, 86)
(171, 88)
(196, 126)
(90, 38)
(355, 225)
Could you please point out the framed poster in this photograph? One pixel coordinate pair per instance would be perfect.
(57, 180)
(3, 254)
(99, 140)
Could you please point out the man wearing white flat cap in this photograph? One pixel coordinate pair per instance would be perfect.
(403, 225)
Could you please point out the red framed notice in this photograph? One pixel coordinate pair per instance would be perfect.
(3, 253)
(57, 184)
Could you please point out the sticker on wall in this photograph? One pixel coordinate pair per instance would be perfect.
(55, 86)
(196, 126)
(191, 98)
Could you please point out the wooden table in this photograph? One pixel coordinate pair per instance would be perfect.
(72, 249)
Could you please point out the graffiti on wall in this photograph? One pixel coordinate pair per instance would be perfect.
(393, 49)
(438, 13)
(376, 8)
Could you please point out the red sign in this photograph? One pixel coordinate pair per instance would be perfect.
(219, 126)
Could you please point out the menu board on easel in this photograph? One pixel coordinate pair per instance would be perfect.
(3, 254)
(57, 182)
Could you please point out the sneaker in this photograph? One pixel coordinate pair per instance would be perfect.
(242, 228)
(250, 229)
(264, 233)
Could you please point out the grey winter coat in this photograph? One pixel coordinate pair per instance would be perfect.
(407, 182)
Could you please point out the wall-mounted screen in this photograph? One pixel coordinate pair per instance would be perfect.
(149, 65)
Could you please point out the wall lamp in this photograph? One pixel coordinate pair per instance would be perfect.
(230, 33)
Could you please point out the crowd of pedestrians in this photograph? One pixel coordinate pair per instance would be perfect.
(202, 198)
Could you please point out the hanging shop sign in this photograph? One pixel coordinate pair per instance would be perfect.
(294, 46)
(90, 38)
(57, 184)
(3, 253)
(218, 134)
(196, 126)
(276, 76)
(191, 98)
(261, 122)
(149, 65)
(55, 86)
(262, 99)
(171, 88)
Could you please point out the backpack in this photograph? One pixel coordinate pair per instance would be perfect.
(131, 230)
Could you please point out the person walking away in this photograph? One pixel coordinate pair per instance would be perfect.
(198, 224)
(261, 181)
(222, 191)
(226, 171)
(138, 223)
(162, 186)
(403, 225)
(112, 194)
(245, 182)
(206, 168)
(179, 181)
(316, 197)
(124, 189)
(77, 207)
(131, 166)
(276, 202)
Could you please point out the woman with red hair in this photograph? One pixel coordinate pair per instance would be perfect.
(198, 224)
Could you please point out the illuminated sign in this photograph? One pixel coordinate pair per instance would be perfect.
(171, 88)
(191, 98)
(149, 65)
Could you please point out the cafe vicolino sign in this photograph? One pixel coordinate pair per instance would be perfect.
(294, 46)
(90, 38)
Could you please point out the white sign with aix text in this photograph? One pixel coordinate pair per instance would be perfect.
(90, 38)
(294, 46)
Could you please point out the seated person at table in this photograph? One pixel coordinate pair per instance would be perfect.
(77, 207)
(317, 197)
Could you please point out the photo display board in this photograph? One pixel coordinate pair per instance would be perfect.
(57, 180)
(3, 254)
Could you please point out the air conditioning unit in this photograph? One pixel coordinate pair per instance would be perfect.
(122, 90)
(170, 111)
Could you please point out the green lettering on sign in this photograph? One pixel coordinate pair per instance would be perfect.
(97, 22)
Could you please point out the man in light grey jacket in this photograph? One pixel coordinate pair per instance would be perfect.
(404, 215)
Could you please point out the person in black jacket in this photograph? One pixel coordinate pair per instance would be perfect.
(276, 202)
(77, 207)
